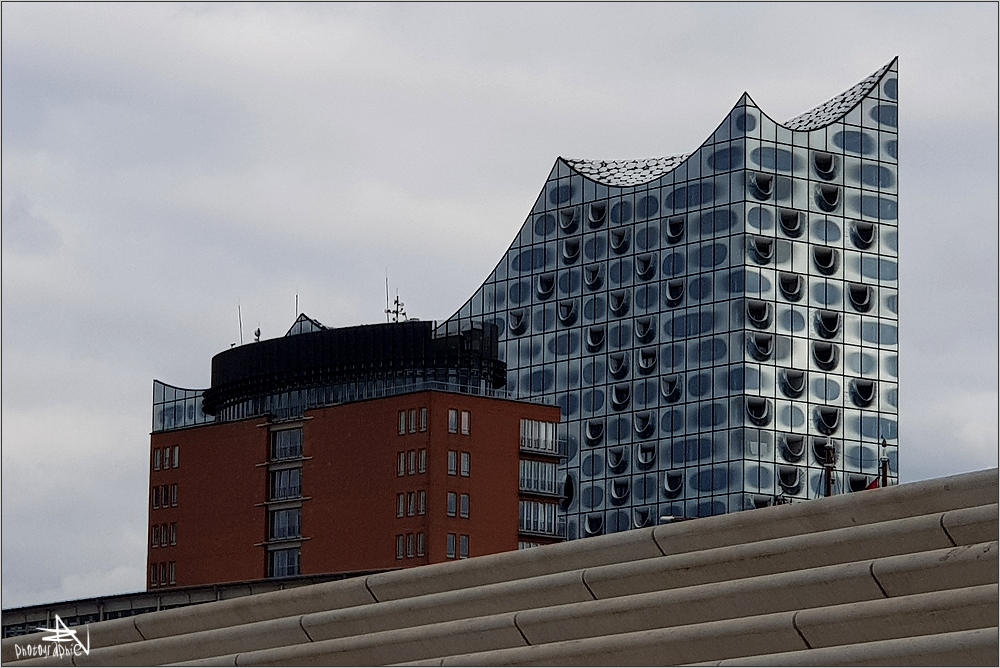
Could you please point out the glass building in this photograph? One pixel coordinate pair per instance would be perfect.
(719, 328)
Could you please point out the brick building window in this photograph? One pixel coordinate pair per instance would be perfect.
(452, 462)
(286, 443)
(153, 581)
(421, 502)
(156, 497)
(413, 461)
(284, 563)
(463, 505)
(465, 464)
(452, 420)
(177, 456)
(452, 504)
(173, 494)
(399, 546)
(156, 459)
(400, 504)
(423, 419)
(401, 464)
(413, 420)
(173, 533)
(155, 542)
(411, 503)
(450, 553)
(466, 422)
(286, 484)
(410, 545)
(166, 458)
(402, 422)
(422, 461)
(421, 544)
(286, 523)
(463, 547)
(172, 572)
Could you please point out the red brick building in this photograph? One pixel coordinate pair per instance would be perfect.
(412, 478)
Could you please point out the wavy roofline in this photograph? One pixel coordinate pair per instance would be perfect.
(873, 80)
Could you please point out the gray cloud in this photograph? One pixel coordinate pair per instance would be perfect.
(162, 162)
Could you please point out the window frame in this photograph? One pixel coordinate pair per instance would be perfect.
(400, 504)
(466, 425)
(463, 546)
(411, 504)
(453, 462)
(421, 544)
(465, 464)
(463, 505)
(451, 547)
(399, 546)
(413, 420)
(423, 418)
(154, 540)
(422, 502)
(402, 423)
(452, 420)
(410, 546)
(452, 504)
(177, 456)
(401, 463)
(156, 459)
(422, 461)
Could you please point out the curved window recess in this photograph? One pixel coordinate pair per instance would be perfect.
(793, 383)
(640, 517)
(761, 249)
(644, 424)
(646, 361)
(670, 388)
(619, 240)
(597, 213)
(595, 337)
(674, 294)
(673, 484)
(761, 346)
(827, 324)
(863, 234)
(791, 286)
(619, 491)
(568, 493)
(826, 259)
(790, 222)
(673, 229)
(645, 329)
(645, 266)
(616, 459)
(645, 456)
(567, 311)
(570, 251)
(857, 482)
(826, 355)
(546, 285)
(621, 394)
(790, 479)
(825, 165)
(827, 197)
(517, 321)
(569, 219)
(593, 276)
(824, 448)
(618, 301)
(793, 446)
(863, 392)
(594, 525)
(759, 411)
(860, 297)
(761, 501)
(618, 365)
(761, 185)
(594, 432)
(759, 313)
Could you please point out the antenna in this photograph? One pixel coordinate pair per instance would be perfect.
(256, 334)
(387, 294)
(296, 305)
(239, 310)
(397, 311)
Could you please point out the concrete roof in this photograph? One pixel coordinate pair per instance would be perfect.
(900, 576)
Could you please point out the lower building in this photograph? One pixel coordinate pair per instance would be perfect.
(345, 480)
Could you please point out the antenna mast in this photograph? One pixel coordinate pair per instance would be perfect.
(239, 311)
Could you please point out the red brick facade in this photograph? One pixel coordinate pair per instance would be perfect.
(348, 492)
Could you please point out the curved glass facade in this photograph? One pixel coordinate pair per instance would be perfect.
(712, 324)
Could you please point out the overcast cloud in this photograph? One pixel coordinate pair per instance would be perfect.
(164, 163)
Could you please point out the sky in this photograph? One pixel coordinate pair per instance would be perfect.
(168, 167)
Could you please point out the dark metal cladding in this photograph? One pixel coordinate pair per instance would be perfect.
(367, 352)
